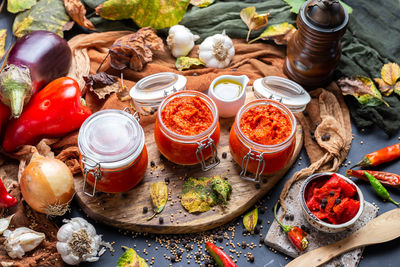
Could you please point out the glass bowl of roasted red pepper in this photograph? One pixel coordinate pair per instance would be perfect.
(331, 202)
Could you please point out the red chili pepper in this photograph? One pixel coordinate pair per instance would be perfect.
(4, 115)
(386, 178)
(219, 256)
(381, 156)
(53, 112)
(6, 200)
(295, 234)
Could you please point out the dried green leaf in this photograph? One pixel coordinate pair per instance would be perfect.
(15, 6)
(184, 63)
(223, 190)
(201, 3)
(158, 14)
(131, 259)
(363, 89)
(3, 37)
(250, 220)
(390, 73)
(280, 33)
(253, 20)
(45, 15)
(159, 196)
(296, 5)
(200, 194)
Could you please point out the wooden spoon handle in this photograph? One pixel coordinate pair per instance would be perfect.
(384, 228)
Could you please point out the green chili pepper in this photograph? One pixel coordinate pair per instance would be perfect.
(379, 188)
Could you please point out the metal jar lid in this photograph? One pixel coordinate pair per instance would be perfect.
(150, 91)
(287, 92)
(111, 139)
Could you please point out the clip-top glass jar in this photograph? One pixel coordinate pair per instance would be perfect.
(113, 154)
(188, 149)
(261, 159)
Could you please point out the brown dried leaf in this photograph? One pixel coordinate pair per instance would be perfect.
(70, 157)
(385, 88)
(135, 50)
(77, 11)
(102, 84)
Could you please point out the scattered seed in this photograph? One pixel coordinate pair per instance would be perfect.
(152, 164)
(145, 209)
(161, 220)
(224, 155)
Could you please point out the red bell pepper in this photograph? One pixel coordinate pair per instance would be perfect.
(6, 200)
(53, 112)
(4, 115)
(219, 256)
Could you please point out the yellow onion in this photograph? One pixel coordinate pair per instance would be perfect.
(47, 185)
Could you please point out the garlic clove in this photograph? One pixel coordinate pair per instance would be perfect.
(5, 222)
(70, 259)
(65, 232)
(22, 240)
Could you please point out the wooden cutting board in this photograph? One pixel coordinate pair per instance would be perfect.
(125, 210)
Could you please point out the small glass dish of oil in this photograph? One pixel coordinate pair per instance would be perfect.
(228, 93)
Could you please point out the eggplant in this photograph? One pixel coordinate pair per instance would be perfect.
(34, 61)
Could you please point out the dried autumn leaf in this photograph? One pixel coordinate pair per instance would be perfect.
(385, 88)
(16, 6)
(77, 11)
(363, 89)
(135, 50)
(102, 84)
(158, 14)
(280, 33)
(253, 20)
(250, 220)
(390, 73)
(184, 63)
(45, 15)
(223, 190)
(201, 3)
(159, 196)
(200, 194)
(3, 37)
(131, 259)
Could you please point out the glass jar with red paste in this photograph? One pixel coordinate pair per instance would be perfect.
(262, 138)
(187, 130)
(112, 151)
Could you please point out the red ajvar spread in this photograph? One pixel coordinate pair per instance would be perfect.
(187, 115)
(265, 125)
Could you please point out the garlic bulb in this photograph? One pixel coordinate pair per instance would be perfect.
(180, 40)
(21, 240)
(78, 241)
(217, 51)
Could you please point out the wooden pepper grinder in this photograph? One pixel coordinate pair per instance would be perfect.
(314, 50)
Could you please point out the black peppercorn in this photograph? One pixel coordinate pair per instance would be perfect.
(324, 201)
(251, 257)
(220, 239)
(338, 200)
(257, 229)
(261, 240)
(173, 258)
(323, 206)
(145, 209)
(161, 220)
(291, 217)
(331, 193)
(152, 164)
(166, 180)
(224, 155)
(244, 245)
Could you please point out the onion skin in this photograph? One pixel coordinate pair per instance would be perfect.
(43, 57)
(41, 180)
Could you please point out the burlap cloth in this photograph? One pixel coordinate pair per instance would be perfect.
(326, 114)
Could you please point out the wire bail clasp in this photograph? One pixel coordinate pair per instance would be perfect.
(94, 168)
(255, 156)
(204, 144)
